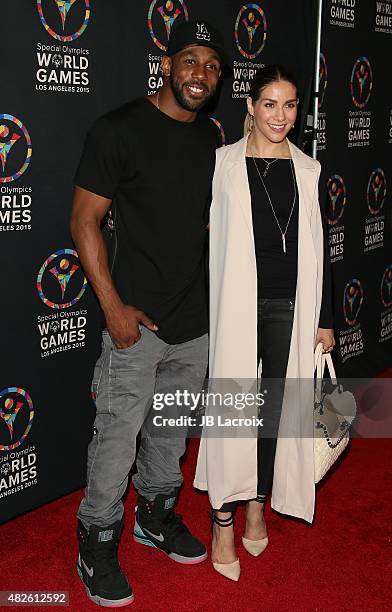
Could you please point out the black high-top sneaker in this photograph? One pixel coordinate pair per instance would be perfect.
(98, 565)
(159, 526)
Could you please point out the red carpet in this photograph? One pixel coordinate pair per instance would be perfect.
(343, 562)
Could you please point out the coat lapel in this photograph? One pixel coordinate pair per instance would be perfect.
(238, 176)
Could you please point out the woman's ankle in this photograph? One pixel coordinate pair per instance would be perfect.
(223, 545)
(255, 528)
(254, 508)
(222, 516)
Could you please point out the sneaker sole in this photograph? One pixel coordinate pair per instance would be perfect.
(101, 601)
(141, 538)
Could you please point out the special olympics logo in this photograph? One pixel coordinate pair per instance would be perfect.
(58, 13)
(161, 18)
(57, 60)
(376, 191)
(352, 301)
(61, 277)
(222, 135)
(250, 30)
(386, 287)
(361, 83)
(337, 195)
(16, 417)
(5, 468)
(323, 79)
(13, 136)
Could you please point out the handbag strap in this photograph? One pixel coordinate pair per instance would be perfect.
(320, 360)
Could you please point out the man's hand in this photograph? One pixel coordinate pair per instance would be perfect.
(327, 339)
(123, 325)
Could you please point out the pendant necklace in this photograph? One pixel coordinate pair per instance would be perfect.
(268, 164)
(282, 233)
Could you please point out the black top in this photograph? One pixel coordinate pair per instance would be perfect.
(277, 271)
(158, 173)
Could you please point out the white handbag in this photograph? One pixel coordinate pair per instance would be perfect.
(333, 414)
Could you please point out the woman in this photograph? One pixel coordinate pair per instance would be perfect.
(268, 302)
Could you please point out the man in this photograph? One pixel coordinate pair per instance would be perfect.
(152, 162)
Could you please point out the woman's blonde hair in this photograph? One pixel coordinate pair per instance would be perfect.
(262, 78)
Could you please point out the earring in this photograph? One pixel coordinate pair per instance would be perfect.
(251, 122)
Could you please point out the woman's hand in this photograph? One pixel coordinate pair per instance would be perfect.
(327, 339)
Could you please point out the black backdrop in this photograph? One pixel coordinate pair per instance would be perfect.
(354, 148)
(61, 70)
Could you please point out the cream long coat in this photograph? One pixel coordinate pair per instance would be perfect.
(227, 467)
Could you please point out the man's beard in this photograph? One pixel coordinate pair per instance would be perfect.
(189, 105)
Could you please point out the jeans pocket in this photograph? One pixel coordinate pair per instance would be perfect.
(285, 305)
(275, 306)
(127, 348)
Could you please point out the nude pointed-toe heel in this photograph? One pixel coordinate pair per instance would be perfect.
(228, 570)
(255, 547)
(231, 571)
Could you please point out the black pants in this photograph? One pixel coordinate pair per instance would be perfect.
(274, 326)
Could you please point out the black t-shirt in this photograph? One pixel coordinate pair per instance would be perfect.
(158, 173)
(276, 270)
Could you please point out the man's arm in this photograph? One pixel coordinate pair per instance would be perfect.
(122, 320)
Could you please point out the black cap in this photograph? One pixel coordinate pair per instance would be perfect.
(199, 33)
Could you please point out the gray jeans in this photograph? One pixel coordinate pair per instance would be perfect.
(125, 381)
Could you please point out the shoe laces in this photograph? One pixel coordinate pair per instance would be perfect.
(174, 522)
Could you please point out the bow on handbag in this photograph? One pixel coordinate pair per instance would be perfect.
(333, 415)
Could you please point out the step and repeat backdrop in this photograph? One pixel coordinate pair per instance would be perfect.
(355, 150)
(64, 63)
